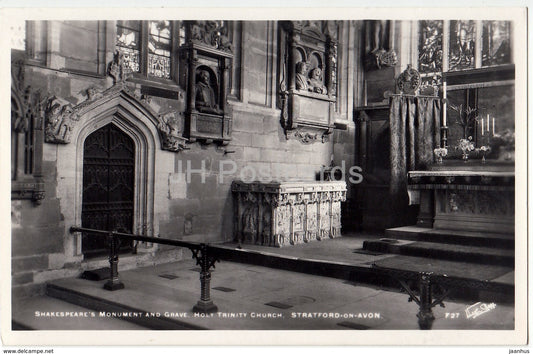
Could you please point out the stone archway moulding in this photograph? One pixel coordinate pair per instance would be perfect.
(62, 118)
(130, 115)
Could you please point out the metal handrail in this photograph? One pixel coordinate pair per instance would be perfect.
(204, 254)
(160, 240)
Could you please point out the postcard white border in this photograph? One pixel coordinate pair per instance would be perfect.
(337, 337)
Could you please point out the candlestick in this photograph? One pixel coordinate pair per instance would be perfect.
(444, 103)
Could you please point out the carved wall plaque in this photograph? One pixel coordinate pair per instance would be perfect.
(205, 61)
(308, 79)
(277, 214)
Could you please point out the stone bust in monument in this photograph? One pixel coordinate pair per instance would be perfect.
(316, 83)
(301, 75)
(205, 97)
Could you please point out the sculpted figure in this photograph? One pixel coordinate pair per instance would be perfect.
(93, 94)
(58, 121)
(301, 75)
(316, 82)
(205, 97)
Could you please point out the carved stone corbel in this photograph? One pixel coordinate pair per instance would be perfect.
(168, 128)
(308, 136)
(60, 117)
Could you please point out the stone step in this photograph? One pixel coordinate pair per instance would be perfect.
(435, 250)
(47, 313)
(482, 239)
(64, 292)
(366, 273)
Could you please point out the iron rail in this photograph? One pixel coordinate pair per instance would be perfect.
(204, 255)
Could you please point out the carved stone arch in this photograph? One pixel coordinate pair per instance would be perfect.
(141, 125)
(300, 55)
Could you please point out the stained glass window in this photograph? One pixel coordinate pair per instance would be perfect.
(462, 45)
(128, 42)
(496, 44)
(159, 48)
(430, 46)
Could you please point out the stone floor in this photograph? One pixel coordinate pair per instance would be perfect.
(297, 301)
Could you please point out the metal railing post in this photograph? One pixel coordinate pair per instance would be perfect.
(205, 256)
(114, 282)
(425, 315)
(205, 304)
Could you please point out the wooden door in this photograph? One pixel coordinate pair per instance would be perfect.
(108, 186)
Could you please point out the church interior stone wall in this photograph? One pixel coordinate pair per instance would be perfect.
(67, 59)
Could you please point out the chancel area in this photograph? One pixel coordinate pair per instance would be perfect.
(283, 174)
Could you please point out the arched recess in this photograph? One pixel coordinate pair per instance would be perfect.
(140, 124)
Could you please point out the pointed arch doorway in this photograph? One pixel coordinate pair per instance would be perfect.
(108, 187)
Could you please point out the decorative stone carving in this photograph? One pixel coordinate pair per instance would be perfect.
(308, 136)
(211, 33)
(118, 69)
(26, 136)
(60, 117)
(93, 94)
(205, 61)
(276, 214)
(301, 75)
(169, 132)
(316, 81)
(205, 97)
(408, 81)
(379, 43)
(308, 77)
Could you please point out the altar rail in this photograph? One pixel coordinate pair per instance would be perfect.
(205, 255)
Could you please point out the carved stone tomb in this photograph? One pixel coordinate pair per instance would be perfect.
(282, 213)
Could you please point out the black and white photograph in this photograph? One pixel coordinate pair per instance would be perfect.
(309, 177)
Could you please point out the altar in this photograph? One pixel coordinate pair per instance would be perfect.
(287, 213)
(466, 198)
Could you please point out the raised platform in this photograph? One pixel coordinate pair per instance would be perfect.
(346, 258)
(471, 238)
(448, 251)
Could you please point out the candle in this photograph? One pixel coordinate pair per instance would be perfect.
(444, 103)
(482, 126)
(493, 127)
(488, 123)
